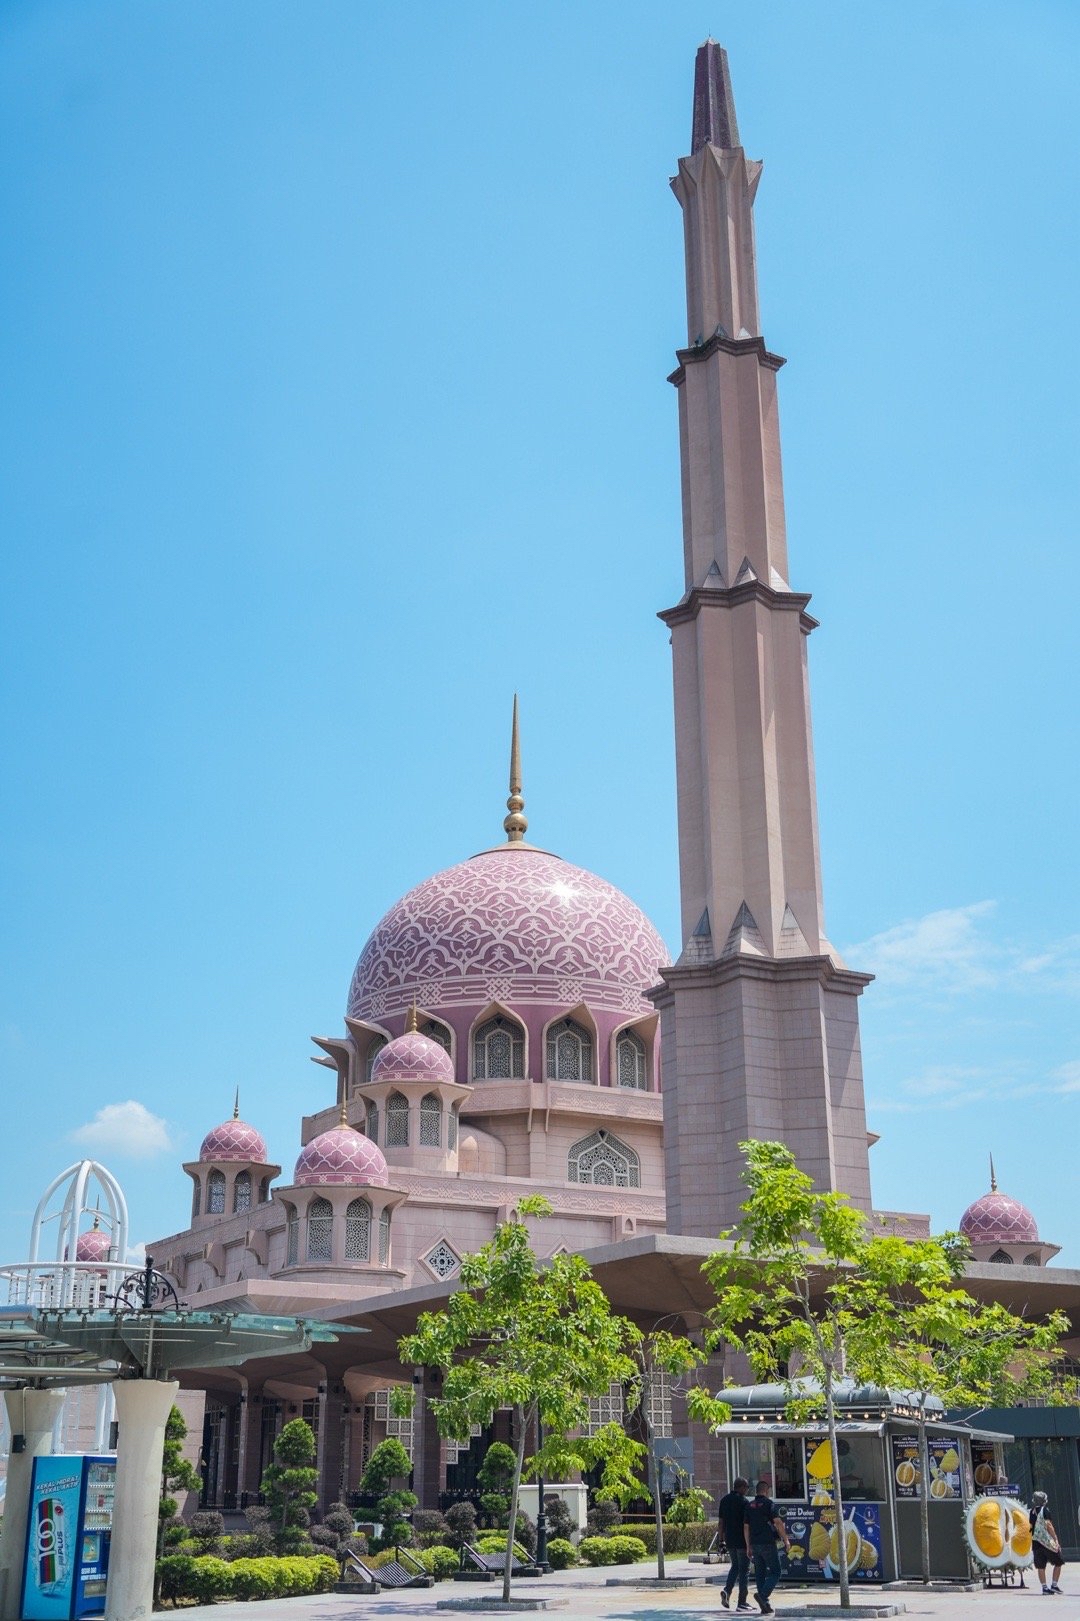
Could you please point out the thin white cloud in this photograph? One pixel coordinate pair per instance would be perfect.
(955, 1086)
(136, 1255)
(952, 952)
(125, 1128)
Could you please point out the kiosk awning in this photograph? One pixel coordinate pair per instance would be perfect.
(763, 1427)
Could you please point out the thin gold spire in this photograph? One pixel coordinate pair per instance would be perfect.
(343, 1117)
(412, 1020)
(236, 1105)
(515, 824)
(993, 1178)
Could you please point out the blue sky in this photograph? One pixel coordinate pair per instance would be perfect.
(334, 340)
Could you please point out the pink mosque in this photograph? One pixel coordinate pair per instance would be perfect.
(514, 1023)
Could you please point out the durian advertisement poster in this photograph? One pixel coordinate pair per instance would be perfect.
(944, 1452)
(815, 1545)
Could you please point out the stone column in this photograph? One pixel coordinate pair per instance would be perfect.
(142, 1411)
(31, 1414)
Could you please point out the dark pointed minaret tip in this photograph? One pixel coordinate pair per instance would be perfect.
(714, 104)
(236, 1105)
(993, 1178)
(515, 825)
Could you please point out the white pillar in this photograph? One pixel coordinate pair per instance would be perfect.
(142, 1411)
(31, 1414)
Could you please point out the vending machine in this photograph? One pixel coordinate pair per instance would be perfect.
(67, 1537)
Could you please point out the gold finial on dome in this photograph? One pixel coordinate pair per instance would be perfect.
(515, 824)
(412, 1020)
(343, 1117)
(993, 1178)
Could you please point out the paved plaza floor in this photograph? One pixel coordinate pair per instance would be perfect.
(583, 1594)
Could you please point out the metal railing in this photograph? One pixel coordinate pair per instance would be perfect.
(63, 1285)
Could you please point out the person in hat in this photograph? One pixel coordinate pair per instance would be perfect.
(1045, 1547)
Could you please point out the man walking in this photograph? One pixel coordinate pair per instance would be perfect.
(764, 1529)
(731, 1513)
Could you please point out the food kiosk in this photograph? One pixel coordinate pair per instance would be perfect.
(880, 1479)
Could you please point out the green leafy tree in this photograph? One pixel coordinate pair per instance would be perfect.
(661, 1358)
(288, 1487)
(496, 1476)
(177, 1474)
(539, 1339)
(812, 1297)
(389, 1463)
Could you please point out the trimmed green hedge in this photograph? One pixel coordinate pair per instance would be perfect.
(615, 1550)
(561, 1553)
(204, 1580)
(677, 1538)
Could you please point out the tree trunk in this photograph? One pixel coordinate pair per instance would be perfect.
(519, 1463)
(838, 1497)
(924, 1494)
(658, 1506)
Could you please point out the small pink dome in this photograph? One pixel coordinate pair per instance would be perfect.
(234, 1140)
(341, 1156)
(93, 1245)
(413, 1057)
(997, 1219)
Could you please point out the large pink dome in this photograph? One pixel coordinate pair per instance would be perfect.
(234, 1140)
(512, 925)
(341, 1156)
(997, 1219)
(413, 1057)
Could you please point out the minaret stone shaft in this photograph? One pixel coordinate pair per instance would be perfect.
(760, 1024)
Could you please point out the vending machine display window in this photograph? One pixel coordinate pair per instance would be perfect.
(68, 1533)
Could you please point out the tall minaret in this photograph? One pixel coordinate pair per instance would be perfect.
(760, 1017)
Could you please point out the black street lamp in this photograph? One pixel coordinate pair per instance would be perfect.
(541, 1516)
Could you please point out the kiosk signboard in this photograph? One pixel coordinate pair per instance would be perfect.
(944, 1454)
(815, 1545)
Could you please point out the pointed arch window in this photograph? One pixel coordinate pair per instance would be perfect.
(292, 1238)
(499, 1050)
(241, 1197)
(215, 1193)
(569, 1052)
(264, 1190)
(603, 1162)
(397, 1121)
(196, 1199)
(384, 1238)
(358, 1231)
(435, 1030)
(375, 1047)
(430, 1121)
(320, 1230)
(371, 1120)
(1001, 1258)
(1032, 1260)
(630, 1061)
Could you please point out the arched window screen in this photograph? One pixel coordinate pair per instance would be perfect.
(630, 1061)
(603, 1161)
(397, 1121)
(451, 1129)
(371, 1120)
(430, 1121)
(436, 1031)
(320, 1230)
(264, 1190)
(1001, 1258)
(1032, 1260)
(292, 1238)
(196, 1199)
(241, 1198)
(375, 1048)
(358, 1231)
(499, 1051)
(384, 1238)
(569, 1052)
(215, 1193)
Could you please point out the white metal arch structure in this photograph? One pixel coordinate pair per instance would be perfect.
(78, 1180)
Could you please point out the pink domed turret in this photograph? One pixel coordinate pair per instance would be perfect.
(413, 1057)
(996, 1219)
(341, 1156)
(93, 1245)
(234, 1140)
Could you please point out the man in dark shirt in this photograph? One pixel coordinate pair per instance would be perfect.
(731, 1513)
(764, 1529)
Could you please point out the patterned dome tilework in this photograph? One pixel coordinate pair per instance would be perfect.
(92, 1246)
(413, 1057)
(234, 1140)
(341, 1156)
(997, 1219)
(509, 926)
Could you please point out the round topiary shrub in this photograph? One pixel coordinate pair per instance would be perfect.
(441, 1562)
(561, 1553)
(611, 1550)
